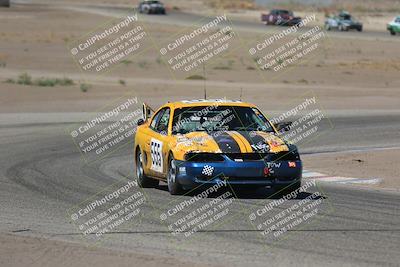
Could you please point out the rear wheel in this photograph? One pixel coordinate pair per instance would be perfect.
(327, 27)
(142, 179)
(392, 32)
(174, 187)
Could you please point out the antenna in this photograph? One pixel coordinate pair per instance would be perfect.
(204, 74)
(241, 90)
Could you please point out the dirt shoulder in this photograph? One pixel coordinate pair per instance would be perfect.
(381, 164)
(17, 250)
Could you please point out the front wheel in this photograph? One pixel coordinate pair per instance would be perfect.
(392, 32)
(174, 187)
(142, 179)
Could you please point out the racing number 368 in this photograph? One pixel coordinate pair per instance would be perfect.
(156, 155)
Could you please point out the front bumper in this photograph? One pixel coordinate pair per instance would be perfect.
(245, 173)
(353, 26)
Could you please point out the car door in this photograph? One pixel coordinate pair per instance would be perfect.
(156, 146)
(272, 17)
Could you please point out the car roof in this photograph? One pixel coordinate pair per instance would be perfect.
(208, 102)
(281, 10)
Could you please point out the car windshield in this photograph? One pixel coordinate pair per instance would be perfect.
(345, 16)
(219, 118)
(283, 12)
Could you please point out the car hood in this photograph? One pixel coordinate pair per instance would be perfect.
(230, 142)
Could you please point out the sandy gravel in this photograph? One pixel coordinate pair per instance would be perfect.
(20, 251)
(381, 164)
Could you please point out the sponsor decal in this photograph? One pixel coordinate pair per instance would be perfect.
(273, 164)
(260, 147)
(292, 164)
(207, 170)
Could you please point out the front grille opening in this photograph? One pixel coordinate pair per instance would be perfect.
(204, 157)
(217, 157)
(246, 156)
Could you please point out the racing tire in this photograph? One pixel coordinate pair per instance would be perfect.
(327, 27)
(392, 32)
(142, 180)
(360, 29)
(343, 28)
(174, 187)
(287, 189)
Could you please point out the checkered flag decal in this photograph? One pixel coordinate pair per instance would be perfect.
(207, 170)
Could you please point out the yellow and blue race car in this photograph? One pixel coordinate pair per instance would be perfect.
(204, 142)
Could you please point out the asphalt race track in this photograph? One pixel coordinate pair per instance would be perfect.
(43, 176)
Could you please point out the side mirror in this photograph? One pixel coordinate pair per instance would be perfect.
(283, 126)
(146, 111)
(139, 122)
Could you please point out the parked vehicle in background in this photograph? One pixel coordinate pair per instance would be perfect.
(344, 21)
(280, 17)
(151, 7)
(4, 3)
(394, 26)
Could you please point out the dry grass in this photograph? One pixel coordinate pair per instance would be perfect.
(231, 4)
(365, 6)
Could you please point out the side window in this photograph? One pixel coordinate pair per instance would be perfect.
(156, 118)
(162, 124)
